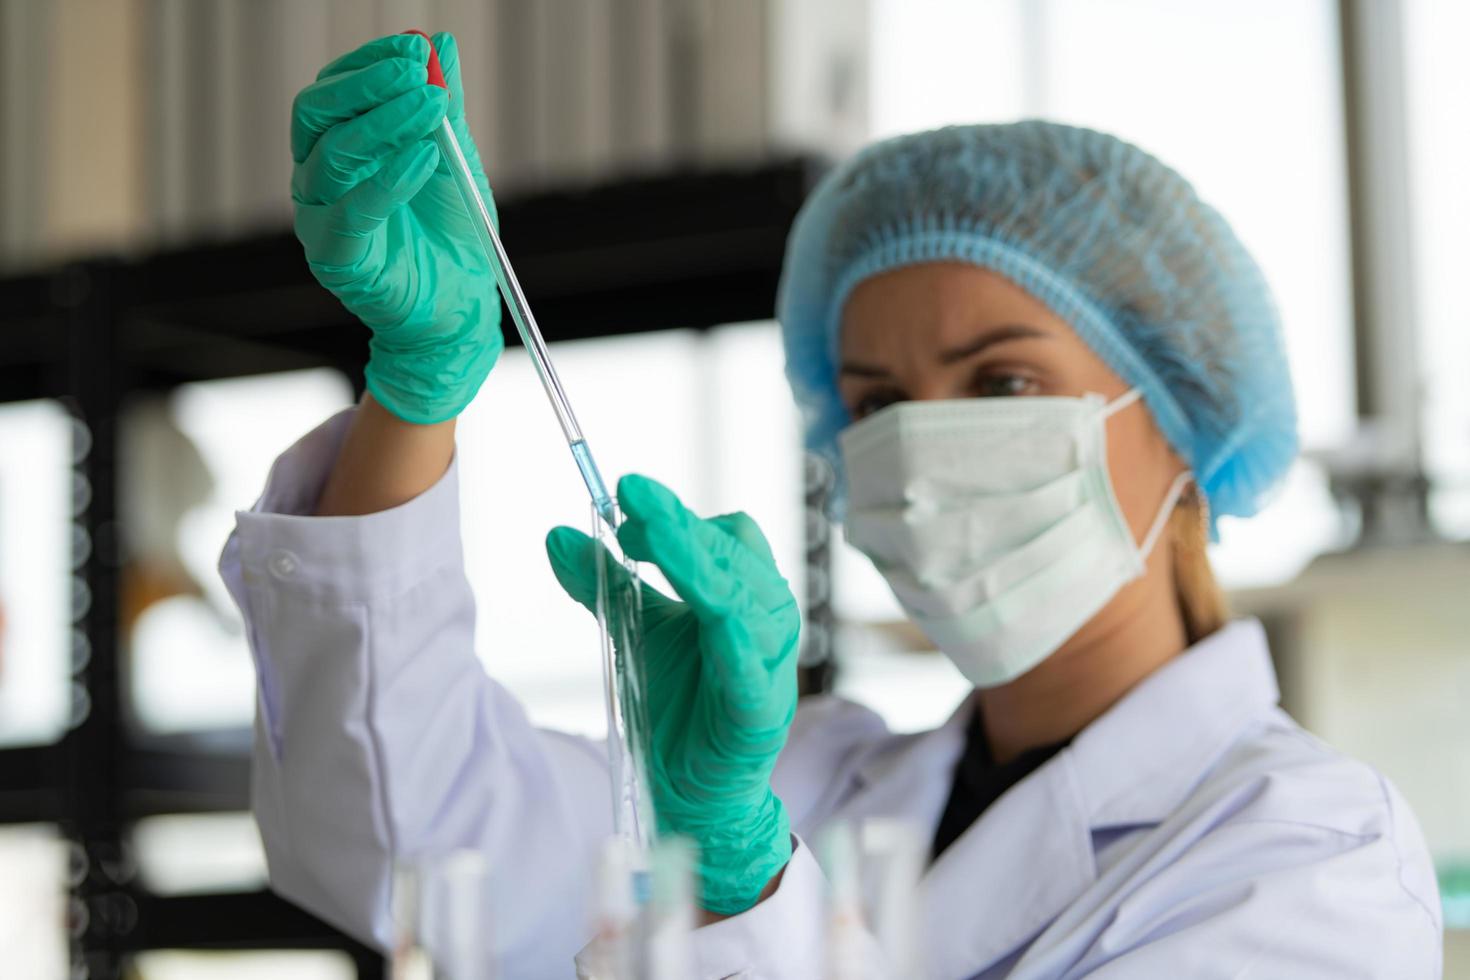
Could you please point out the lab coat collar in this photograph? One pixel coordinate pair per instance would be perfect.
(1033, 842)
(1137, 762)
(1133, 765)
(1033, 845)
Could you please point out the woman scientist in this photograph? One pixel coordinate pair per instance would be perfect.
(1043, 368)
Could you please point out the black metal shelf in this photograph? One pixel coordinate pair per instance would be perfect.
(235, 921)
(682, 251)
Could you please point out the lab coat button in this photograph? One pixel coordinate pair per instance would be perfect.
(283, 564)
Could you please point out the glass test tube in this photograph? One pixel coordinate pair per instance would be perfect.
(873, 870)
(894, 854)
(619, 622)
(443, 918)
(613, 954)
(671, 915)
(847, 943)
(409, 958)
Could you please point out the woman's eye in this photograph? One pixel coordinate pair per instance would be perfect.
(874, 401)
(1003, 384)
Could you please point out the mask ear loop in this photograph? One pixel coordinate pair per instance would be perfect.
(1121, 402)
(1161, 519)
(1176, 489)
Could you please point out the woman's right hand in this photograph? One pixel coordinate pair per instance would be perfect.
(383, 226)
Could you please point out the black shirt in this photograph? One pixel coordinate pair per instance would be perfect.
(979, 782)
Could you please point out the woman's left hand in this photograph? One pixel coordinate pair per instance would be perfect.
(720, 674)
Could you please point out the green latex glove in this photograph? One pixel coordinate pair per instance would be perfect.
(384, 227)
(720, 676)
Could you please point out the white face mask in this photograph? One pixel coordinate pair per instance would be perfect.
(994, 522)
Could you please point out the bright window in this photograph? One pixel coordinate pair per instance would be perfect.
(187, 470)
(178, 964)
(180, 854)
(36, 497)
(33, 863)
(706, 413)
(1439, 145)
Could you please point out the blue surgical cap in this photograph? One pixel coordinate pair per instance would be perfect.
(1110, 239)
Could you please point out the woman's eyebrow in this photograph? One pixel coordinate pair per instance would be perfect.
(991, 337)
(864, 370)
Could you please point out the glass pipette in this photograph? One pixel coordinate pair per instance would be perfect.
(631, 814)
(515, 298)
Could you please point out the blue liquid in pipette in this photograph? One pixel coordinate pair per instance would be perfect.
(593, 479)
(642, 887)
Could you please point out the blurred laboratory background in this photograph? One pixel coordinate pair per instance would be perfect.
(161, 341)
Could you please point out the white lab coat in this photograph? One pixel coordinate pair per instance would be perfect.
(1194, 830)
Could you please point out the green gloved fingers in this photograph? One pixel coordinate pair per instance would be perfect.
(744, 606)
(410, 46)
(339, 97)
(343, 231)
(383, 226)
(357, 148)
(719, 672)
(573, 557)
